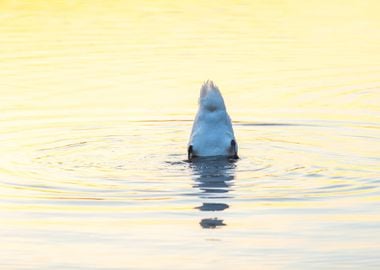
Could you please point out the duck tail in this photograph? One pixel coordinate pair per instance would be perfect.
(210, 96)
(208, 86)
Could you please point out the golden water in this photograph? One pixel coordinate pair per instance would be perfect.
(97, 99)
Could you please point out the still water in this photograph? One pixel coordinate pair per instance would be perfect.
(97, 100)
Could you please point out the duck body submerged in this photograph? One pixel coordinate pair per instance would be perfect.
(212, 133)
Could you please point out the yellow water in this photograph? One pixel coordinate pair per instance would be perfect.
(97, 99)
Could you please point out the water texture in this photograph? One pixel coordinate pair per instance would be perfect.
(97, 101)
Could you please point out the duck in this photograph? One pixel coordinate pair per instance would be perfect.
(212, 133)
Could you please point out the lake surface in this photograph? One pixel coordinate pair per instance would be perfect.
(97, 102)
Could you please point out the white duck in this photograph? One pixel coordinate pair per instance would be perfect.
(212, 133)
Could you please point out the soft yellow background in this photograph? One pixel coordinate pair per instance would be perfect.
(313, 59)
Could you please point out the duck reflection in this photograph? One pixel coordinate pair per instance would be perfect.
(214, 178)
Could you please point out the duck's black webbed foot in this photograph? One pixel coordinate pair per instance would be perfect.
(234, 149)
(190, 152)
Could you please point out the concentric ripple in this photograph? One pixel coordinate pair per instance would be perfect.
(280, 162)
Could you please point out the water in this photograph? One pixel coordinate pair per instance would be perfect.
(97, 102)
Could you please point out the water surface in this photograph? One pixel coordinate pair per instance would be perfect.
(97, 101)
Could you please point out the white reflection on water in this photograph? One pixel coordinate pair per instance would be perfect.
(214, 177)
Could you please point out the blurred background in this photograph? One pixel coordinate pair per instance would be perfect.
(271, 59)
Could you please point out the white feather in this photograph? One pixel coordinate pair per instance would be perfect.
(212, 131)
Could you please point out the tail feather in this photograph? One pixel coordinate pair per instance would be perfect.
(210, 97)
(208, 86)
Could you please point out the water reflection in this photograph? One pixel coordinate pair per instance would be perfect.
(214, 178)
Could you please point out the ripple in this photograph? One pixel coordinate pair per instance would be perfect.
(117, 163)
